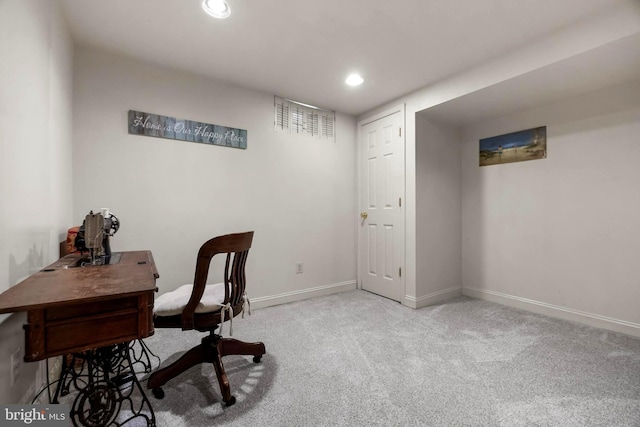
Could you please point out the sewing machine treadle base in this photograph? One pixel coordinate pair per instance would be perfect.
(106, 385)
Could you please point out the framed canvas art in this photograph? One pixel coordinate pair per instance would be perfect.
(530, 144)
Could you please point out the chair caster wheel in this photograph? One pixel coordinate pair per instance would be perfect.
(256, 359)
(231, 401)
(158, 393)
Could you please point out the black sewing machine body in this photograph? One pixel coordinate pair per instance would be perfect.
(94, 234)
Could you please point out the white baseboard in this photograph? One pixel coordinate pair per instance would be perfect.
(302, 294)
(432, 298)
(565, 313)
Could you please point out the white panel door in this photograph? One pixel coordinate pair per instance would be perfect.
(381, 231)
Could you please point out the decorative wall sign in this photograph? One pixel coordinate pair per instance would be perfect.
(530, 144)
(186, 130)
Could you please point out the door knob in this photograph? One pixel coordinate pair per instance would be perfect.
(364, 215)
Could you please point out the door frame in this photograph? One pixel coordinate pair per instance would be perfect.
(360, 199)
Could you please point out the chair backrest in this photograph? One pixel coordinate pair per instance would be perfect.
(236, 247)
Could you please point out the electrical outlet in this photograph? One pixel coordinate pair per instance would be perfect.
(299, 268)
(16, 363)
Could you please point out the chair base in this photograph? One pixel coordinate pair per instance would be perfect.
(211, 350)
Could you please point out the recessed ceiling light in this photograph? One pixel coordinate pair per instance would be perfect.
(354, 80)
(216, 8)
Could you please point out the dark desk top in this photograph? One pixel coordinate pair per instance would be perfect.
(63, 283)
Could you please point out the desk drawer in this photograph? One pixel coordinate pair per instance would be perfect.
(94, 332)
(90, 309)
(75, 328)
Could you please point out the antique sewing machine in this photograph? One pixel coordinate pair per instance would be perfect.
(96, 316)
(94, 234)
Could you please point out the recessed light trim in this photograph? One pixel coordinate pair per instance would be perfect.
(216, 8)
(354, 79)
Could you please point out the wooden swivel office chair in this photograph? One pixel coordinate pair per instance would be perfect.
(203, 308)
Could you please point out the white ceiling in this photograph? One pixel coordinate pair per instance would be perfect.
(609, 66)
(304, 49)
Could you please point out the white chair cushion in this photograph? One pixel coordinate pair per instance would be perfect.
(172, 303)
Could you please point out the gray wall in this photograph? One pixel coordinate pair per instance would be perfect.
(585, 37)
(438, 211)
(560, 235)
(35, 156)
(297, 193)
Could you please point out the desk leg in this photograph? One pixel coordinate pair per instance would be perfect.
(141, 354)
(106, 390)
(70, 372)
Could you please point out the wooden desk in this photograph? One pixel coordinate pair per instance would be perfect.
(72, 309)
(93, 312)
